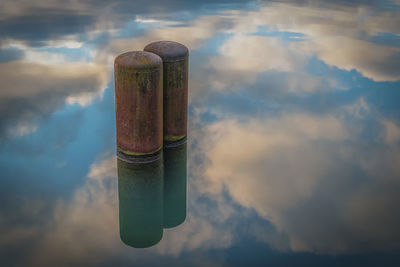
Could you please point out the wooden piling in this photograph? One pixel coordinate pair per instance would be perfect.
(139, 106)
(175, 58)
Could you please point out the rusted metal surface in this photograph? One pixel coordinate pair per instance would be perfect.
(140, 194)
(175, 67)
(175, 180)
(139, 105)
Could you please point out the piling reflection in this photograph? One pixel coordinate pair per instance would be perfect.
(140, 190)
(152, 196)
(174, 185)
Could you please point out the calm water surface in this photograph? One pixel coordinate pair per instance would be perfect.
(293, 153)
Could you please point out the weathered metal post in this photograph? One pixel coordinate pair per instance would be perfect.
(140, 193)
(139, 106)
(174, 185)
(175, 58)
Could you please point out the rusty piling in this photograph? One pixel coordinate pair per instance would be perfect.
(175, 58)
(139, 106)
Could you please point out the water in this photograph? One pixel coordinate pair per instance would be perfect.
(293, 153)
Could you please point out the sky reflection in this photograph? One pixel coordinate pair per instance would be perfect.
(294, 132)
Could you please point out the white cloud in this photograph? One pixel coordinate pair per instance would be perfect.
(255, 54)
(86, 228)
(331, 32)
(35, 78)
(88, 224)
(264, 139)
(392, 136)
(32, 90)
(310, 178)
(359, 109)
(377, 62)
(45, 58)
(23, 128)
(104, 169)
(193, 35)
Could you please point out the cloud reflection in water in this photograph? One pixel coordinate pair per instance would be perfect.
(293, 137)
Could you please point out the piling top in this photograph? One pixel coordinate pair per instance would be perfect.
(168, 50)
(138, 60)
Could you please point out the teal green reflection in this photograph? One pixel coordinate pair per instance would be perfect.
(152, 196)
(140, 190)
(174, 186)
